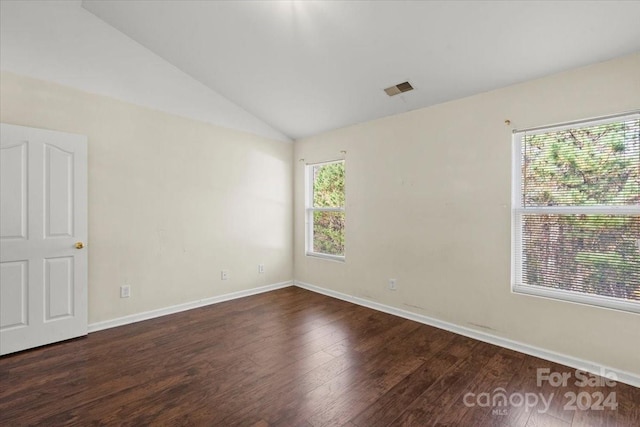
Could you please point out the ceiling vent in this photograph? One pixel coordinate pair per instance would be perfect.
(399, 88)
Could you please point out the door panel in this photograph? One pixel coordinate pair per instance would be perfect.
(13, 188)
(13, 294)
(58, 285)
(58, 192)
(43, 198)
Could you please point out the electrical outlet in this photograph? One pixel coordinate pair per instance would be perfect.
(224, 275)
(125, 291)
(393, 284)
(260, 268)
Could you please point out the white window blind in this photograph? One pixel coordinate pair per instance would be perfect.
(576, 212)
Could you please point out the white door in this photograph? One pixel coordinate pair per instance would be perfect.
(43, 237)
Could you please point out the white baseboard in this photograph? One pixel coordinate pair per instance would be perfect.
(573, 362)
(138, 317)
(595, 368)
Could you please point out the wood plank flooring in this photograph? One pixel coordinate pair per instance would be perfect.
(288, 358)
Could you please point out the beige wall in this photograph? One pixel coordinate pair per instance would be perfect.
(172, 201)
(428, 203)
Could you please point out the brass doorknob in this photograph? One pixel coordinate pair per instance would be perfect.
(79, 245)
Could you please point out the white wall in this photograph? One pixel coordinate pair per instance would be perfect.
(172, 201)
(428, 203)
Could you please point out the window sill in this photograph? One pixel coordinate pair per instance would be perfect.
(338, 258)
(577, 297)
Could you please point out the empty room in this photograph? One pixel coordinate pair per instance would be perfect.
(319, 213)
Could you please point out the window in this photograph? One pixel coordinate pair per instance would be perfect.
(325, 216)
(576, 212)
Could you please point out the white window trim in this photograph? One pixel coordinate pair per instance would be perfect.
(517, 212)
(309, 210)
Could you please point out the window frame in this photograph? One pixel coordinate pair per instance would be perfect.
(518, 211)
(310, 210)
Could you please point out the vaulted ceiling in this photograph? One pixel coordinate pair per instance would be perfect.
(306, 67)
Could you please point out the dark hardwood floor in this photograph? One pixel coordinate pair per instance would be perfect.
(289, 358)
